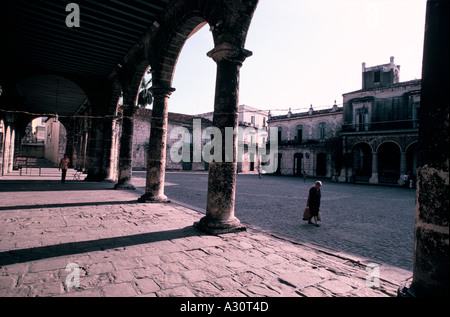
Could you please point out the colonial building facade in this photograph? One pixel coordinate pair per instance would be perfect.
(380, 128)
(373, 138)
(308, 142)
(253, 129)
(180, 132)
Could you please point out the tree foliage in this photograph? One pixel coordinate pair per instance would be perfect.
(145, 97)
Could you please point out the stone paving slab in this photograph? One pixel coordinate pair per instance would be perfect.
(118, 247)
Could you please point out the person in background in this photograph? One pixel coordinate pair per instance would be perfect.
(64, 165)
(314, 201)
(406, 179)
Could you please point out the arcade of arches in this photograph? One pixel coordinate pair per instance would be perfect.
(84, 93)
(80, 76)
(384, 162)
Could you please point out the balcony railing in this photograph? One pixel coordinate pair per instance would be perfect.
(381, 126)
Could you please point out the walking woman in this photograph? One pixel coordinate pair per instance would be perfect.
(64, 165)
(314, 202)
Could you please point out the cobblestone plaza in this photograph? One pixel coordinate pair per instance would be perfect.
(375, 222)
(86, 239)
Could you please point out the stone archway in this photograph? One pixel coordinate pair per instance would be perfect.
(321, 164)
(229, 27)
(362, 162)
(163, 59)
(389, 156)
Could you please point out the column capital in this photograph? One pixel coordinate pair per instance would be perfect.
(228, 52)
(129, 107)
(161, 91)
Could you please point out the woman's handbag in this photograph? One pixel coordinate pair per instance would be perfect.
(306, 214)
(319, 216)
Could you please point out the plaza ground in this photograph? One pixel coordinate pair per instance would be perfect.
(371, 221)
(51, 233)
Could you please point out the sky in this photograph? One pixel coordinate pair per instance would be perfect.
(306, 52)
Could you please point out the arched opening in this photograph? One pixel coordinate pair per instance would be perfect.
(45, 138)
(141, 124)
(321, 164)
(52, 95)
(50, 128)
(193, 98)
(194, 94)
(298, 164)
(185, 55)
(362, 162)
(388, 163)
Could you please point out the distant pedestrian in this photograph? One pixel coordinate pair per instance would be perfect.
(406, 179)
(304, 176)
(63, 166)
(259, 171)
(314, 202)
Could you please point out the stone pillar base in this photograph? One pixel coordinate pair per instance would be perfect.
(406, 290)
(124, 187)
(374, 179)
(217, 226)
(150, 198)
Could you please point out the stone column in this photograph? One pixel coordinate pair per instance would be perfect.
(126, 148)
(108, 171)
(98, 160)
(222, 175)
(94, 153)
(156, 162)
(374, 178)
(70, 139)
(431, 243)
(7, 149)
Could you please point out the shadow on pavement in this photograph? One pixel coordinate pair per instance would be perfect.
(51, 185)
(39, 253)
(63, 205)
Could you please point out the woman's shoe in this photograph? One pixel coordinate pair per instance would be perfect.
(317, 225)
(310, 222)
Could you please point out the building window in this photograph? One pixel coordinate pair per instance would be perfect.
(361, 119)
(322, 131)
(299, 133)
(279, 135)
(376, 76)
